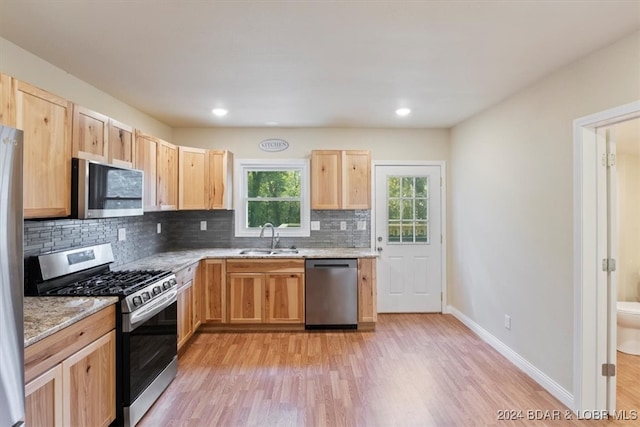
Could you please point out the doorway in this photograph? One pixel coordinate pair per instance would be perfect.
(595, 245)
(408, 235)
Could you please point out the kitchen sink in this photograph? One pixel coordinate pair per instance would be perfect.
(263, 252)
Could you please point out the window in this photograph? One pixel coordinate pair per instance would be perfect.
(408, 200)
(274, 191)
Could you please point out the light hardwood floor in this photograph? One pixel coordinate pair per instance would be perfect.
(414, 370)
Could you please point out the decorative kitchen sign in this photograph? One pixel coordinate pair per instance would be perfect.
(274, 145)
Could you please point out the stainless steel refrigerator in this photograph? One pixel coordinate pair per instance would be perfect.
(11, 279)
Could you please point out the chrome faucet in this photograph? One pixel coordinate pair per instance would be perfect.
(274, 236)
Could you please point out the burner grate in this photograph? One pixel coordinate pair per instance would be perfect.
(111, 283)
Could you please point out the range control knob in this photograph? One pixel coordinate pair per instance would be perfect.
(146, 296)
(157, 290)
(166, 285)
(173, 282)
(137, 301)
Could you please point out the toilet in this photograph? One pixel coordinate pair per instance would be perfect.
(628, 327)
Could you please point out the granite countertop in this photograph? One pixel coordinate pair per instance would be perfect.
(44, 316)
(178, 260)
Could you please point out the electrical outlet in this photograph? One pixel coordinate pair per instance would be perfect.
(159, 228)
(507, 321)
(315, 225)
(122, 234)
(343, 225)
(362, 225)
(203, 225)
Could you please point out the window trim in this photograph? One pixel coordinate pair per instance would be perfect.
(240, 197)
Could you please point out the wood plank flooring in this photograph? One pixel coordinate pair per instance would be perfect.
(414, 370)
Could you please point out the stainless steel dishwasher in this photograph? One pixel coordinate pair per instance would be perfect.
(331, 294)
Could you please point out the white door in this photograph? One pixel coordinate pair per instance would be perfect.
(408, 237)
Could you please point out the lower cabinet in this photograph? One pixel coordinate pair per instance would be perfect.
(214, 275)
(189, 302)
(71, 382)
(265, 291)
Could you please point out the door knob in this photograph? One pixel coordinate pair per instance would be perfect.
(379, 239)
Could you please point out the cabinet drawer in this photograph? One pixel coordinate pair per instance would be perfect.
(186, 275)
(289, 265)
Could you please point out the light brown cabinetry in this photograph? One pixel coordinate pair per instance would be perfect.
(121, 139)
(7, 102)
(193, 178)
(46, 121)
(220, 179)
(189, 300)
(265, 291)
(70, 375)
(167, 176)
(367, 293)
(146, 148)
(90, 137)
(215, 290)
(340, 179)
(246, 297)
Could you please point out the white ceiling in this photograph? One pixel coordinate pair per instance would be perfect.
(313, 63)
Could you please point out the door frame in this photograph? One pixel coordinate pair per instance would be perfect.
(443, 213)
(589, 394)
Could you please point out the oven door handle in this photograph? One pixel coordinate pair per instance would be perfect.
(133, 320)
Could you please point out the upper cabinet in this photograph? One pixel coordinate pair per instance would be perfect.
(220, 179)
(167, 176)
(193, 178)
(145, 159)
(204, 178)
(46, 121)
(340, 179)
(7, 106)
(121, 139)
(90, 139)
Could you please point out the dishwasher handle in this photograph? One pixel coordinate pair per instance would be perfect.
(331, 263)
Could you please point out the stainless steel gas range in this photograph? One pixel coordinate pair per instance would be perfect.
(146, 319)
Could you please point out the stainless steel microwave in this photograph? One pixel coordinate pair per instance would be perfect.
(100, 190)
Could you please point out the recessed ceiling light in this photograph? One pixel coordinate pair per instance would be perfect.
(403, 111)
(271, 123)
(220, 112)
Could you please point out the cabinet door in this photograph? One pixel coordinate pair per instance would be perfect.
(146, 159)
(356, 189)
(246, 298)
(284, 298)
(185, 313)
(7, 101)
(367, 310)
(90, 135)
(193, 178)
(220, 179)
(196, 298)
(167, 176)
(215, 290)
(46, 122)
(88, 381)
(43, 399)
(326, 179)
(120, 144)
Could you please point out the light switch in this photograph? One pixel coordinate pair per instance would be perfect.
(203, 225)
(362, 225)
(343, 225)
(122, 234)
(315, 225)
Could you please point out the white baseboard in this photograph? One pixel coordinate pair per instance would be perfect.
(536, 374)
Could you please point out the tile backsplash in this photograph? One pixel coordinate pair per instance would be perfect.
(181, 230)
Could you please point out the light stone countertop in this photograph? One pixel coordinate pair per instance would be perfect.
(44, 316)
(178, 260)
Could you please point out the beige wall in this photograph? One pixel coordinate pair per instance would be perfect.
(511, 251)
(628, 166)
(385, 144)
(27, 67)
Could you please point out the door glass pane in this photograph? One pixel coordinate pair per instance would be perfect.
(393, 186)
(394, 209)
(422, 187)
(408, 209)
(421, 208)
(407, 187)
